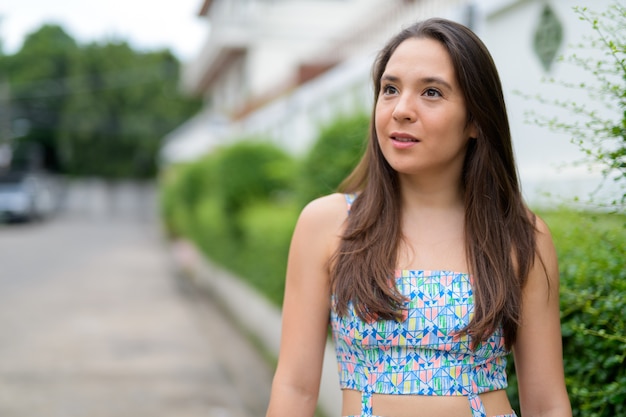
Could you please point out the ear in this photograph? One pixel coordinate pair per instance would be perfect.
(472, 130)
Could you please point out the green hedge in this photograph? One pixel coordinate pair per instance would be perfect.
(592, 255)
(181, 189)
(591, 248)
(334, 154)
(236, 204)
(268, 229)
(240, 204)
(251, 170)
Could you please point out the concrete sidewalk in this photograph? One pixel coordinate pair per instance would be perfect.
(252, 313)
(96, 323)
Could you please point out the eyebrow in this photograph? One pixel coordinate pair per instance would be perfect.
(423, 80)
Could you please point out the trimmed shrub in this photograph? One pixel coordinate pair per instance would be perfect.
(212, 233)
(336, 152)
(252, 170)
(181, 189)
(234, 204)
(591, 250)
(267, 235)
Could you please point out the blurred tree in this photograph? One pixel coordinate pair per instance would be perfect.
(35, 75)
(94, 110)
(122, 105)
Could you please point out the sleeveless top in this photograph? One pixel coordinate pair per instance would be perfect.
(424, 354)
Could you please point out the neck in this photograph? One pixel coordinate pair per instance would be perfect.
(429, 193)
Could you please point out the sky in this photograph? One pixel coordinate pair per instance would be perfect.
(145, 24)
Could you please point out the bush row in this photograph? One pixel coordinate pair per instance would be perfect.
(591, 248)
(592, 254)
(240, 203)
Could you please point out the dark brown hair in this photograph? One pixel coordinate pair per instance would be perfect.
(500, 235)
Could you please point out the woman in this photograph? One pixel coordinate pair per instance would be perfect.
(431, 269)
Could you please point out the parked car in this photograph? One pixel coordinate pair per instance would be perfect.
(24, 196)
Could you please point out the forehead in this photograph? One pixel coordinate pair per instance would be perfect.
(421, 57)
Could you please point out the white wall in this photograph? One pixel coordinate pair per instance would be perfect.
(293, 121)
(545, 158)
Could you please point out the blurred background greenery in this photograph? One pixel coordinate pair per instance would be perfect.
(95, 110)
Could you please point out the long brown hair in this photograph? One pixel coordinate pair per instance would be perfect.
(500, 235)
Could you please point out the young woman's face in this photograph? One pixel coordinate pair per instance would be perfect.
(421, 118)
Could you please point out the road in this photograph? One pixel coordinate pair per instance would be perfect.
(95, 322)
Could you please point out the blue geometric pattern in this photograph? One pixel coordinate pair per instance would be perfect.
(424, 353)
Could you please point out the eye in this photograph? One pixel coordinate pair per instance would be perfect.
(389, 89)
(432, 92)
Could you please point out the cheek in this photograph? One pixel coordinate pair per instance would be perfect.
(382, 115)
(377, 112)
(379, 122)
(454, 124)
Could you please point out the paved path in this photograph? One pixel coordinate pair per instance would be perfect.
(95, 322)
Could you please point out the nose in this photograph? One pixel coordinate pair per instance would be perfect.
(404, 110)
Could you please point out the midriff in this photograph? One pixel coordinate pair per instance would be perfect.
(495, 402)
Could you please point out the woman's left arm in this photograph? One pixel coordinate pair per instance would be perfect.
(538, 350)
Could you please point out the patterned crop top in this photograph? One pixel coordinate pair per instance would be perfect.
(424, 354)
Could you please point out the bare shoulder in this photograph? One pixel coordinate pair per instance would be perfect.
(545, 244)
(538, 348)
(545, 269)
(328, 212)
(321, 224)
(541, 227)
(543, 237)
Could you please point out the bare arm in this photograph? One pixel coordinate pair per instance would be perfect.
(538, 350)
(306, 309)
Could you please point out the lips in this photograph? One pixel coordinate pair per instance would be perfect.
(403, 141)
(403, 137)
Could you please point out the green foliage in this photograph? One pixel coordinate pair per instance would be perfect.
(267, 233)
(123, 105)
(252, 169)
(94, 110)
(183, 189)
(591, 250)
(598, 127)
(335, 153)
(170, 204)
(240, 202)
(35, 76)
(235, 204)
(214, 236)
(259, 252)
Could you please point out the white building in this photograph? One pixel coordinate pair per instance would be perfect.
(279, 68)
